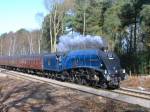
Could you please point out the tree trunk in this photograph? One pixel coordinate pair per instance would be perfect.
(10, 47)
(1, 47)
(51, 37)
(131, 39)
(13, 47)
(30, 44)
(39, 44)
(54, 22)
(84, 23)
(62, 25)
(135, 38)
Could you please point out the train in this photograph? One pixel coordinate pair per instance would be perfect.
(91, 67)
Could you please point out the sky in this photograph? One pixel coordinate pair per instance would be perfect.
(17, 14)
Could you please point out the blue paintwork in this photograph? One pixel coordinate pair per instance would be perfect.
(73, 59)
(50, 62)
(83, 59)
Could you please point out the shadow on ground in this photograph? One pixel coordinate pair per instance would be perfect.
(25, 96)
(30, 95)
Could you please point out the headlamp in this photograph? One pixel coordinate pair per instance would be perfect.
(105, 71)
(123, 71)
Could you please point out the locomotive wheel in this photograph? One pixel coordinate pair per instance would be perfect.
(104, 86)
(65, 75)
(85, 77)
(83, 81)
(75, 79)
(92, 77)
(52, 75)
(63, 78)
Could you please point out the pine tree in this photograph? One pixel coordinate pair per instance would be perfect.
(89, 16)
(145, 14)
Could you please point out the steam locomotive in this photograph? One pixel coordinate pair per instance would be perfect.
(88, 67)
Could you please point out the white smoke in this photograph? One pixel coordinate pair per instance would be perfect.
(74, 40)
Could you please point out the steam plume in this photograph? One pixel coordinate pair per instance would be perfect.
(74, 41)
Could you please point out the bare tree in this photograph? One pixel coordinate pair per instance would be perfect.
(24, 42)
(39, 41)
(10, 41)
(1, 40)
(39, 18)
(36, 41)
(57, 11)
(14, 45)
(21, 42)
(56, 18)
(29, 37)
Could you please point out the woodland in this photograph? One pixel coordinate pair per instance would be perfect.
(125, 24)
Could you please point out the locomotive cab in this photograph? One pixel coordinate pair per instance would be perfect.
(53, 62)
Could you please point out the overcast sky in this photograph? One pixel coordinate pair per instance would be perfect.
(16, 14)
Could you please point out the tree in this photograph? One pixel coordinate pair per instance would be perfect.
(55, 19)
(85, 6)
(145, 14)
(112, 27)
(129, 16)
(39, 17)
(25, 40)
(81, 13)
(36, 38)
(89, 16)
(3, 45)
(12, 43)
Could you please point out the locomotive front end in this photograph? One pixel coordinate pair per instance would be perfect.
(113, 72)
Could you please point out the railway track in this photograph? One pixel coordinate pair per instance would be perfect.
(135, 91)
(123, 94)
(139, 94)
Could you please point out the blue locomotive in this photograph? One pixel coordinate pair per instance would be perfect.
(87, 67)
(92, 67)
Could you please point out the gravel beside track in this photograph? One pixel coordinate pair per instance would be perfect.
(104, 93)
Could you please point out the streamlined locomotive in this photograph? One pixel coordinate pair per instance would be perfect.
(88, 67)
